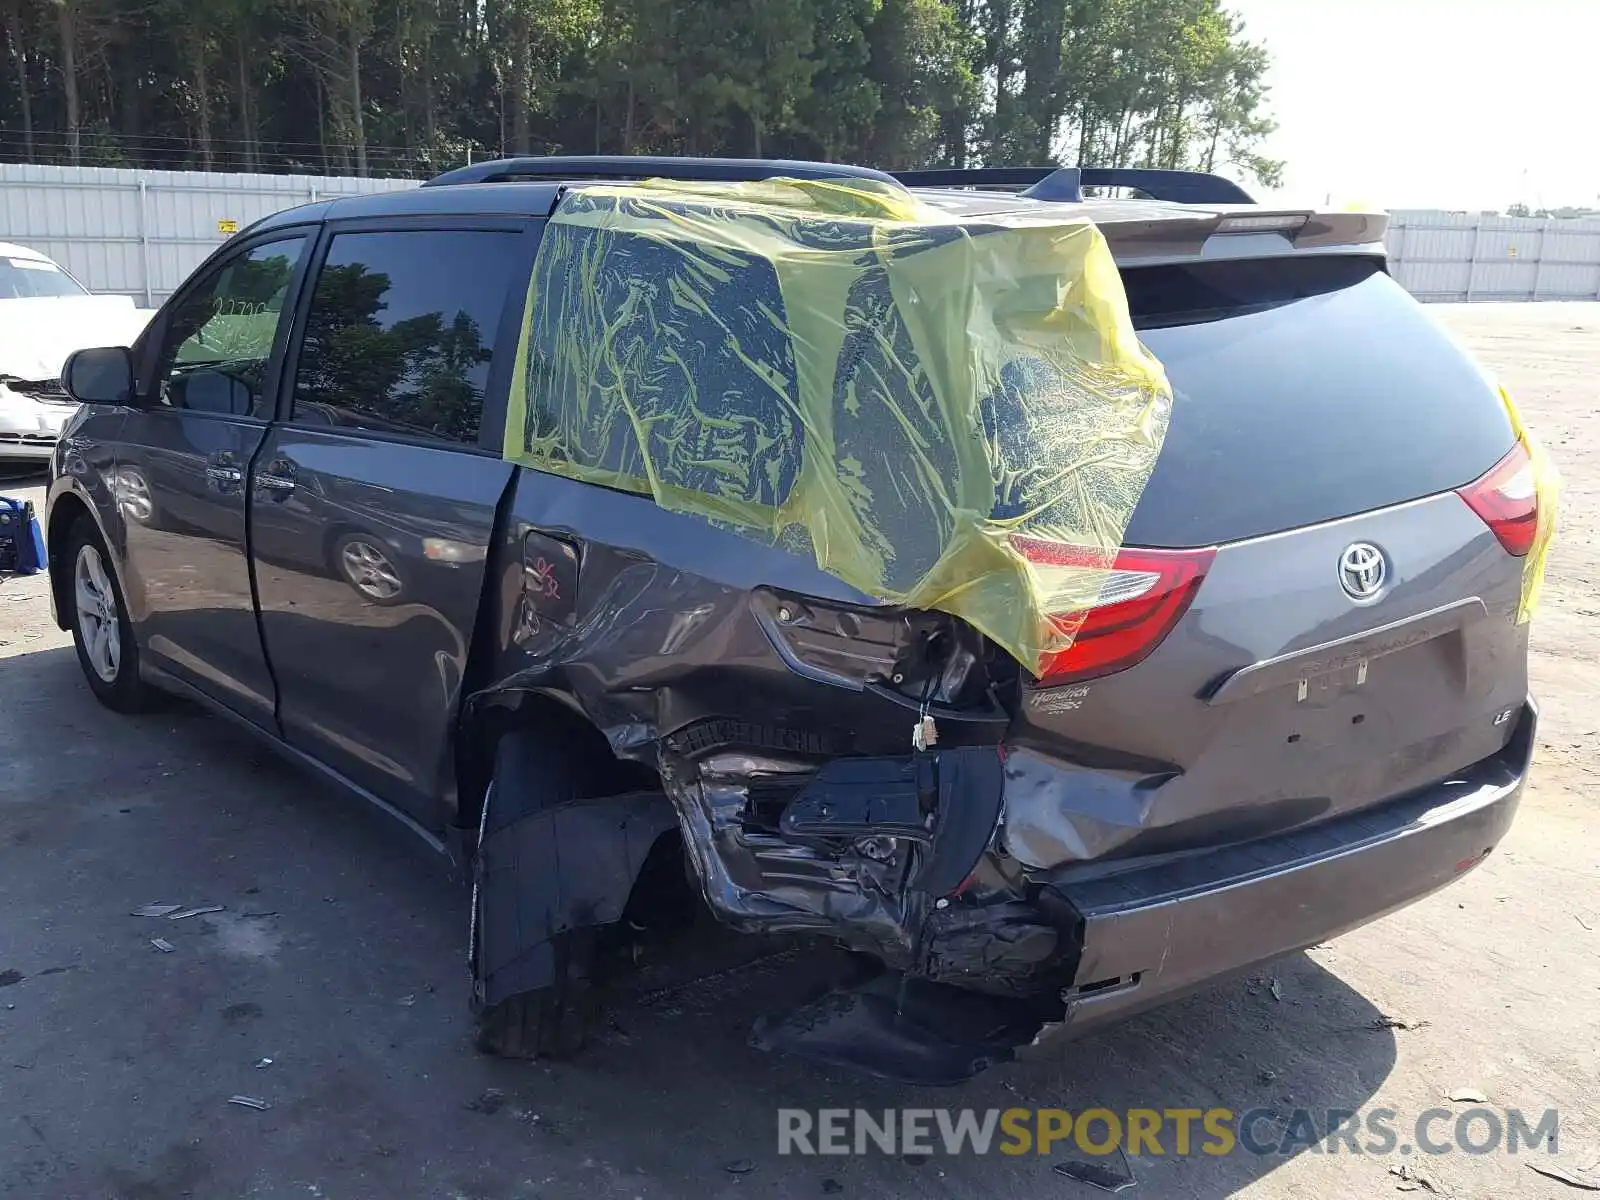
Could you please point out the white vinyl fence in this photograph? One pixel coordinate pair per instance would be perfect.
(140, 233)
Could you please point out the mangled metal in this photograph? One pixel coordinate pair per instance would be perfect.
(844, 375)
(802, 809)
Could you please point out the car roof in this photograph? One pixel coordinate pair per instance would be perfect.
(1140, 229)
(535, 199)
(12, 250)
(458, 200)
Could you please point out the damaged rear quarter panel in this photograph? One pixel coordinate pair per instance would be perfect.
(661, 647)
(660, 632)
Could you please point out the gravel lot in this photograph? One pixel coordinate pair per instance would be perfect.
(339, 957)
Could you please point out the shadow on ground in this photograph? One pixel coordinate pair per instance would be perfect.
(339, 956)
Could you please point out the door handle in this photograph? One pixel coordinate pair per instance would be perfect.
(223, 472)
(276, 479)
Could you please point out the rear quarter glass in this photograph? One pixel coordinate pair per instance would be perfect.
(1305, 390)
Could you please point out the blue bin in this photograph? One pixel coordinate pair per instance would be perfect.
(21, 539)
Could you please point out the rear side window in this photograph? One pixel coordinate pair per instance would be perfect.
(400, 334)
(627, 317)
(1304, 390)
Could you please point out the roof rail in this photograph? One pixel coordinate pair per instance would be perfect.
(607, 166)
(1067, 183)
(983, 177)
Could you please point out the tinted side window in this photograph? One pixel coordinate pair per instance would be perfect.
(218, 343)
(401, 331)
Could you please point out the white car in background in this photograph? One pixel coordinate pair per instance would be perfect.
(46, 314)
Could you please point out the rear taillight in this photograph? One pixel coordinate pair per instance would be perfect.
(1142, 596)
(1507, 499)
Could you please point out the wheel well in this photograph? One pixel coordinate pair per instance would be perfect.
(604, 772)
(68, 511)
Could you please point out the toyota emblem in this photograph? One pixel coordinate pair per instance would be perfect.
(1362, 571)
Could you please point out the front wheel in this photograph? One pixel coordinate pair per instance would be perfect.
(101, 631)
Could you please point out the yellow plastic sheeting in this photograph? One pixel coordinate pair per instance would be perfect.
(1547, 487)
(841, 369)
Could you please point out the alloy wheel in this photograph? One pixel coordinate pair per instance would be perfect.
(98, 619)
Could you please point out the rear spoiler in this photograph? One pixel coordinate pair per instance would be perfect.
(1183, 236)
(1164, 234)
(1067, 183)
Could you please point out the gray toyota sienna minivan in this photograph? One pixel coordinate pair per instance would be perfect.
(1299, 701)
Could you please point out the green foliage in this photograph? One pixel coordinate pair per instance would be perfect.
(414, 86)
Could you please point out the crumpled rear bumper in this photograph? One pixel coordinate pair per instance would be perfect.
(1139, 936)
(1152, 932)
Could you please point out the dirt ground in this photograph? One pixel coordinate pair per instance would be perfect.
(339, 957)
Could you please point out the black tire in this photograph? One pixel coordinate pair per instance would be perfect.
(123, 690)
(532, 773)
